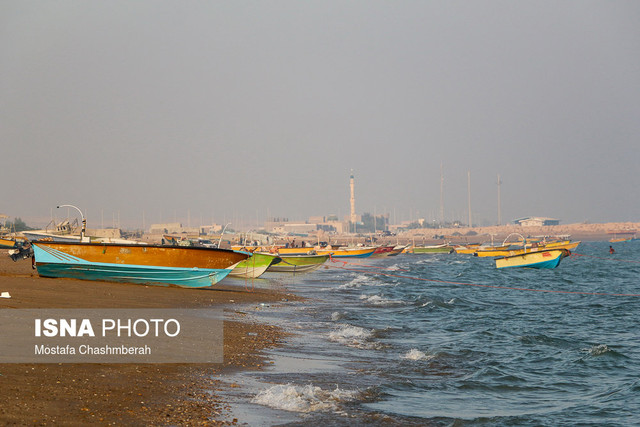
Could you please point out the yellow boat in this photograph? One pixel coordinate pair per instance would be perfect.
(276, 250)
(511, 251)
(535, 259)
(471, 250)
(466, 249)
(342, 252)
(7, 243)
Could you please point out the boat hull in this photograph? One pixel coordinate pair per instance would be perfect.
(382, 251)
(347, 253)
(254, 266)
(440, 249)
(7, 243)
(165, 265)
(538, 259)
(297, 263)
(506, 253)
(42, 236)
(397, 250)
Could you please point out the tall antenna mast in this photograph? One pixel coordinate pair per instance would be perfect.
(353, 200)
(441, 194)
(469, 194)
(499, 205)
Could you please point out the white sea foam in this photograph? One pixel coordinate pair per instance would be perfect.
(308, 398)
(336, 315)
(598, 350)
(362, 280)
(353, 336)
(378, 300)
(415, 354)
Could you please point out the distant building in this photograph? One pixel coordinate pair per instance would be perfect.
(173, 228)
(295, 228)
(536, 221)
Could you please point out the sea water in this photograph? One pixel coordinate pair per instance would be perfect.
(446, 339)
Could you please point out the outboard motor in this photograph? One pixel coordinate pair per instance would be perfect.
(21, 252)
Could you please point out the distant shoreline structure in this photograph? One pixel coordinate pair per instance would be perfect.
(577, 231)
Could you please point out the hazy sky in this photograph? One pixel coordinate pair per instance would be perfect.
(229, 110)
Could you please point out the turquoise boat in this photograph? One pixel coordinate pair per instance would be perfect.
(536, 259)
(190, 267)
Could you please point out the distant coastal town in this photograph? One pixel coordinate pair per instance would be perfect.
(366, 229)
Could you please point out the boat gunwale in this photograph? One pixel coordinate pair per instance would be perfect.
(138, 245)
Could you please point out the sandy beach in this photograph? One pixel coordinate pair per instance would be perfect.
(138, 394)
(169, 394)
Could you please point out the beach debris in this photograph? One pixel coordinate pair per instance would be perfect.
(252, 334)
(5, 295)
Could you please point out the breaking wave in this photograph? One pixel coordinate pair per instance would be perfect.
(353, 336)
(415, 354)
(378, 300)
(308, 398)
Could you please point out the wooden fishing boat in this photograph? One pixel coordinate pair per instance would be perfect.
(254, 266)
(397, 250)
(620, 236)
(43, 235)
(297, 263)
(514, 250)
(468, 249)
(382, 251)
(143, 264)
(620, 239)
(344, 252)
(534, 259)
(274, 249)
(434, 249)
(7, 242)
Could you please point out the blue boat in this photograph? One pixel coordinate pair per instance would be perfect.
(143, 264)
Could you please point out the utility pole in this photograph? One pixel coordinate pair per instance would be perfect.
(353, 201)
(469, 194)
(441, 195)
(499, 205)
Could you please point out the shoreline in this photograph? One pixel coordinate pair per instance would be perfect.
(464, 235)
(155, 394)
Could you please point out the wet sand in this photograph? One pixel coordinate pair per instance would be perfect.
(138, 394)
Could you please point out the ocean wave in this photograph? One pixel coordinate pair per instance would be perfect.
(378, 300)
(308, 398)
(363, 280)
(336, 315)
(353, 336)
(415, 354)
(599, 350)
